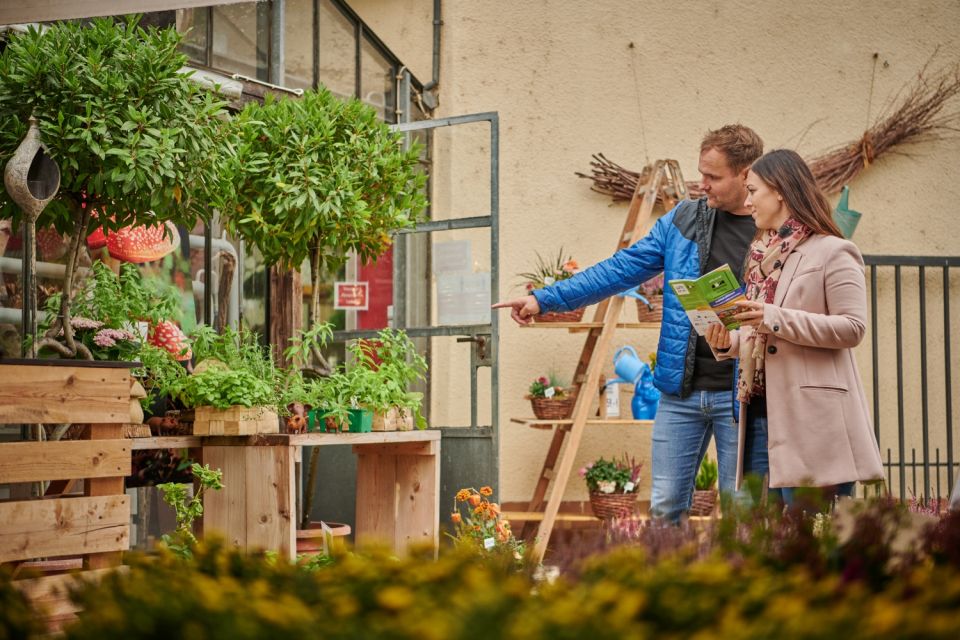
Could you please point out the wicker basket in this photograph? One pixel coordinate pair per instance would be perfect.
(560, 316)
(553, 408)
(704, 502)
(646, 313)
(613, 505)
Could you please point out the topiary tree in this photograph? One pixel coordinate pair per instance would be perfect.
(317, 178)
(136, 141)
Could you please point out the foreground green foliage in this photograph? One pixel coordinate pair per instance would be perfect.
(775, 578)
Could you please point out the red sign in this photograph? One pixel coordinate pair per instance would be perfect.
(351, 295)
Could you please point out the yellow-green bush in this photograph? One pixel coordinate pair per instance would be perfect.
(780, 579)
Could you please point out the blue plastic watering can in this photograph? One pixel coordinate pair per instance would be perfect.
(628, 365)
(632, 370)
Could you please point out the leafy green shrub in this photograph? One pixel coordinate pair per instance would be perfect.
(136, 141)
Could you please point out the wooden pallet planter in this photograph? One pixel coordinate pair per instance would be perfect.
(235, 421)
(48, 391)
(95, 525)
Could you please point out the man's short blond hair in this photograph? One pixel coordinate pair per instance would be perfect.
(741, 145)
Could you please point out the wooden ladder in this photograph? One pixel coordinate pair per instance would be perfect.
(665, 180)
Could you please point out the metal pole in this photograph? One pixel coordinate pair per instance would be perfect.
(900, 435)
(925, 421)
(277, 21)
(946, 376)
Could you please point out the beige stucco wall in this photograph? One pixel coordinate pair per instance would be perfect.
(567, 83)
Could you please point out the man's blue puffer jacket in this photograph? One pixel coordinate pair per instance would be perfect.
(678, 244)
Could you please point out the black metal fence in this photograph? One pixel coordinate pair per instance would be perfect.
(918, 445)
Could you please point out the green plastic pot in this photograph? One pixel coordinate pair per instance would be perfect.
(361, 421)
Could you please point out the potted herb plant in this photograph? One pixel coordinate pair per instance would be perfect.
(550, 399)
(613, 486)
(547, 272)
(396, 364)
(705, 491)
(233, 389)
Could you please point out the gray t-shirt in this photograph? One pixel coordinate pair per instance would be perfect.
(732, 235)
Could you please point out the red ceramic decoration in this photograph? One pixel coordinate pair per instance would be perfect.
(143, 244)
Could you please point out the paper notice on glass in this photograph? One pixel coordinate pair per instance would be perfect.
(463, 298)
(452, 257)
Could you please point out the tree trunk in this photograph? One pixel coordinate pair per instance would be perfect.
(72, 348)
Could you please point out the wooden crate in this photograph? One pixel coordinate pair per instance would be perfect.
(47, 391)
(235, 421)
(393, 420)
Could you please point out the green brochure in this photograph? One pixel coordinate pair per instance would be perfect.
(713, 298)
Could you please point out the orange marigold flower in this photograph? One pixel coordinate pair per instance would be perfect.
(474, 500)
(487, 491)
(494, 507)
(463, 495)
(479, 510)
(455, 518)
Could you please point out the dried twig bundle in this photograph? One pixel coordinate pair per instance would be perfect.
(918, 118)
(619, 183)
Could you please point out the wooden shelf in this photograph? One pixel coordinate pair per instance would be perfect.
(165, 442)
(548, 424)
(580, 327)
(306, 439)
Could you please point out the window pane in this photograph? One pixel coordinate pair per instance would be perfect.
(337, 54)
(192, 23)
(298, 44)
(240, 36)
(376, 82)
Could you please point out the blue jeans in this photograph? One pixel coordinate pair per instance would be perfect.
(681, 433)
(755, 461)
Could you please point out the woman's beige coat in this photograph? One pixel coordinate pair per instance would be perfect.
(819, 427)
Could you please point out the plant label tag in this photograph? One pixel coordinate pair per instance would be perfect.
(548, 392)
(627, 488)
(489, 543)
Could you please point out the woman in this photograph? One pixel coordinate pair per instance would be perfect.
(797, 380)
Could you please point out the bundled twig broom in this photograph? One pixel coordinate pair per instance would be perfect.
(920, 117)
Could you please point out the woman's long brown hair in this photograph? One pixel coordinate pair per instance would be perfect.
(785, 172)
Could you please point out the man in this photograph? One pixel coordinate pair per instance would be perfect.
(693, 238)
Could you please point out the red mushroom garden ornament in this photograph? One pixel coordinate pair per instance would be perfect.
(97, 239)
(144, 243)
(168, 336)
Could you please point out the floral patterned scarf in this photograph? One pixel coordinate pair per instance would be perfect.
(765, 261)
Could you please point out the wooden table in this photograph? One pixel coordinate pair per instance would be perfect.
(398, 483)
